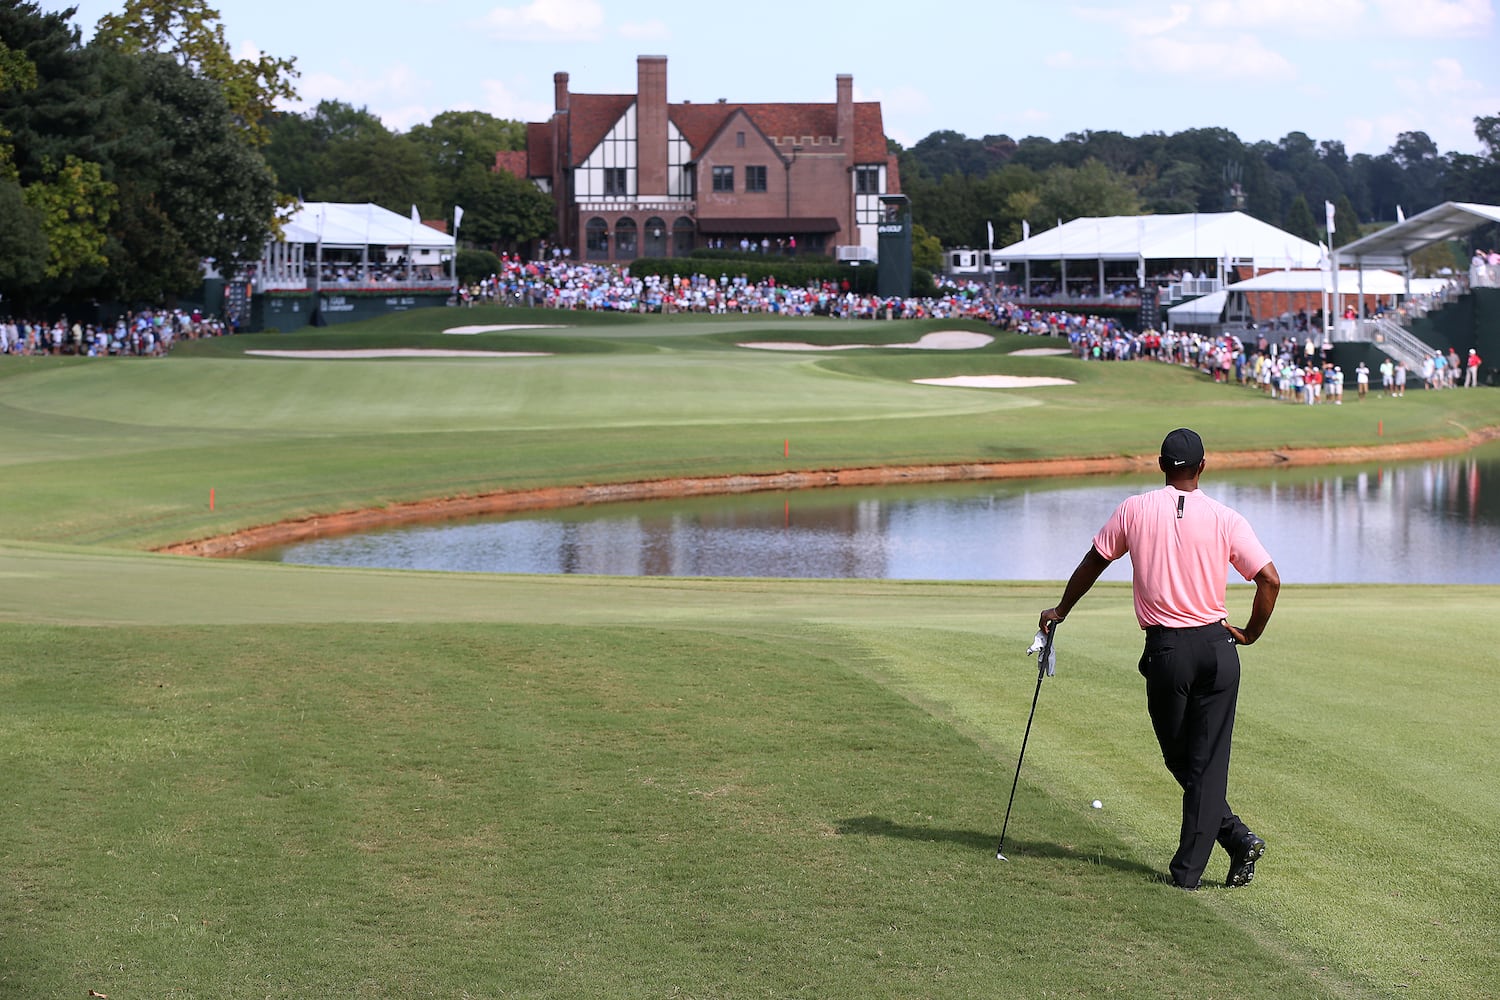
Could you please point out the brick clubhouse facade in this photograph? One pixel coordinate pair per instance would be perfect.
(634, 176)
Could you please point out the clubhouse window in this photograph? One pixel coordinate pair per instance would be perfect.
(755, 178)
(866, 180)
(615, 181)
(723, 178)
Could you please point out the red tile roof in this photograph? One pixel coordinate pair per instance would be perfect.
(590, 117)
(699, 122)
(512, 162)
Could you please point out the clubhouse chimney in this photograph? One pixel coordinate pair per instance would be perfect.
(845, 119)
(560, 91)
(651, 126)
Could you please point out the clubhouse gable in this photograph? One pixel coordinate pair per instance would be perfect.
(636, 176)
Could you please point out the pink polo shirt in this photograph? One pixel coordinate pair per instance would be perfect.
(1180, 565)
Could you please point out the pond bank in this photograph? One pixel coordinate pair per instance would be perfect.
(515, 501)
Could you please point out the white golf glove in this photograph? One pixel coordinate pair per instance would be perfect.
(1038, 644)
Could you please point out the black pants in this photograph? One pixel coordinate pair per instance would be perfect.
(1192, 686)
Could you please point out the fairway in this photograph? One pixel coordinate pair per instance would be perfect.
(248, 779)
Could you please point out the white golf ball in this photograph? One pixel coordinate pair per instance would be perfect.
(1098, 804)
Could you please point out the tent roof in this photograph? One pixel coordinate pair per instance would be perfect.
(1375, 282)
(1204, 309)
(1393, 245)
(1197, 236)
(340, 224)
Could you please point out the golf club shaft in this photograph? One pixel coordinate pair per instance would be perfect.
(1041, 671)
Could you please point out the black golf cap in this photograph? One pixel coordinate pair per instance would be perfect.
(1182, 447)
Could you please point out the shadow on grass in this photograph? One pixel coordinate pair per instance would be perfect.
(879, 826)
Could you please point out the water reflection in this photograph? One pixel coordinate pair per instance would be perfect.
(1425, 522)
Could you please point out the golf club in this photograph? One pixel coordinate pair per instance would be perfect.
(1041, 671)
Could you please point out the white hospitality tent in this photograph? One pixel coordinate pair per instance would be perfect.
(346, 225)
(1205, 310)
(1223, 239)
(318, 226)
(1192, 237)
(1210, 309)
(1393, 246)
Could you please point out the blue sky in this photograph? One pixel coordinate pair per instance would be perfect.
(1357, 71)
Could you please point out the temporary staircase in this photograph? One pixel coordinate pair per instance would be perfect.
(1397, 341)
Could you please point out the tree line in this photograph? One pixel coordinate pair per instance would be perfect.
(957, 184)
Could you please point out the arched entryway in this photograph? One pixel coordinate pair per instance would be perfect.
(654, 241)
(626, 242)
(596, 239)
(684, 236)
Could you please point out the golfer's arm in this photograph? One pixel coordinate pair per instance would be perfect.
(1083, 578)
(1267, 586)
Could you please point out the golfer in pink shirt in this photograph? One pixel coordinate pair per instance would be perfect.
(1181, 545)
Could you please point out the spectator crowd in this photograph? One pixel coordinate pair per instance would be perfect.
(1283, 361)
(150, 333)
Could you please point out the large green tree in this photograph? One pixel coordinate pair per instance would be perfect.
(1300, 221)
(460, 145)
(1092, 189)
(503, 211)
(23, 242)
(377, 167)
(1472, 177)
(190, 187)
(190, 32)
(299, 146)
(51, 102)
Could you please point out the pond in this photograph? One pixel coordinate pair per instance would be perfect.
(1414, 522)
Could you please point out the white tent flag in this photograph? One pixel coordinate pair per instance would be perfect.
(990, 228)
(1328, 210)
(416, 217)
(458, 217)
(1400, 215)
(1025, 230)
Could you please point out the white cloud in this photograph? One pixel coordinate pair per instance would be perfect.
(395, 96)
(1213, 60)
(1447, 80)
(1443, 101)
(1177, 15)
(547, 20)
(1437, 17)
(502, 101)
(1299, 16)
(646, 31)
(1060, 60)
(1137, 19)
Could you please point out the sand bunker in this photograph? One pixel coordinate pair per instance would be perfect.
(468, 331)
(942, 340)
(995, 381)
(1039, 352)
(395, 352)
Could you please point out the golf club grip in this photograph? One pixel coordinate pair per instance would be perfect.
(1046, 653)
